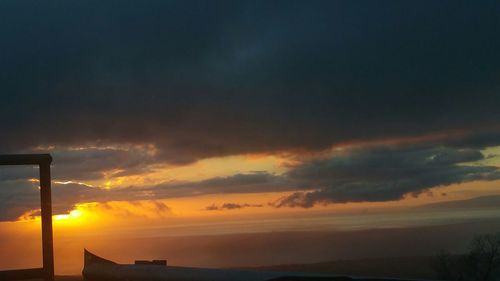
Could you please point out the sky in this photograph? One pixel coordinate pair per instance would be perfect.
(182, 118)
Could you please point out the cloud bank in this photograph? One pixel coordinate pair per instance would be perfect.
(360, 174)
(121, 88)
(200, 79)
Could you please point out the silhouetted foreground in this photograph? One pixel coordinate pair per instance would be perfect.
(389, 267)
(99, 269)
(480, 263)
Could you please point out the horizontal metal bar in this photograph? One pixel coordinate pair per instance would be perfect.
(22, 274)
(25, 159)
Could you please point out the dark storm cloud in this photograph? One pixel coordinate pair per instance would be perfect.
(16, 198)
(479, 140)
(384, 174)
(367, 174)
(13, 173)
(201, 79)
(87, 164)
(92, 163)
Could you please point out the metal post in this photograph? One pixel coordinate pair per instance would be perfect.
(46, 202)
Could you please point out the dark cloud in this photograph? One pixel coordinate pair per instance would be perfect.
(479, 140)
(384, 174)
(239, 183)
(17, 197)
(253, 182)
(14, 173)
(88, 163)
(201, 79)
(231, 206)
(123, 86)
(362, 174)
(146, 208)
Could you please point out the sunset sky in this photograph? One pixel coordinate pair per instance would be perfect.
(207, 118)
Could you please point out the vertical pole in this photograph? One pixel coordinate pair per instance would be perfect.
(47, 247)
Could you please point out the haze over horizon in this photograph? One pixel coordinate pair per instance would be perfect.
(202, 120)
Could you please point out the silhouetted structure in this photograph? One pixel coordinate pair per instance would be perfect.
(47, 271)
(153, 262)
(100, 269)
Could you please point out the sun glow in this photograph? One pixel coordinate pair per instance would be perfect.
(74, 214)
(77, 215)
(73, 182)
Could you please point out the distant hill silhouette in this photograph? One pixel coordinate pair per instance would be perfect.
(397, 267)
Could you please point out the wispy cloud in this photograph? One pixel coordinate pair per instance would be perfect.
(231, 206)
